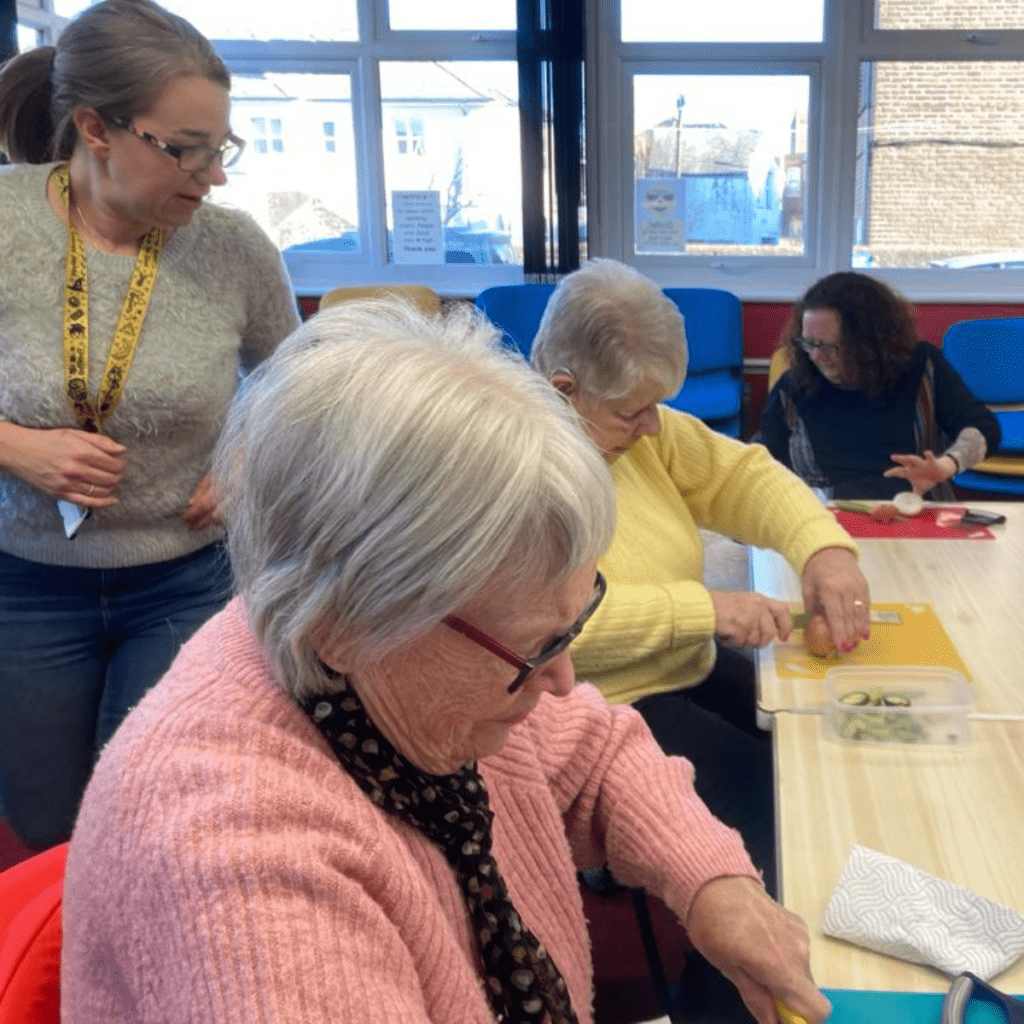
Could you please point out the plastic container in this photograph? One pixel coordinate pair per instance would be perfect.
(898, 704)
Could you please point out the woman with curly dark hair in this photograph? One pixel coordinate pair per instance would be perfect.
(863, 392)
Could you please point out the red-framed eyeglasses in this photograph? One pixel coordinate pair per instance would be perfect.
(552, 650)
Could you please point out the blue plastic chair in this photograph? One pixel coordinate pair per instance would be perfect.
(714, 378)
(713, 390)
(517, 309)
(989, 355)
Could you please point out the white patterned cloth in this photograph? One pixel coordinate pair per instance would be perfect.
(892, 907)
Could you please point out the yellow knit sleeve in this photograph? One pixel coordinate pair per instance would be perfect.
(739, 490)
(655, 629)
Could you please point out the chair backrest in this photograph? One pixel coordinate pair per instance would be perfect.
(778, 365)
(714, 328)
(989, 355)
(31, 894)
(517, 309)
(419, 294)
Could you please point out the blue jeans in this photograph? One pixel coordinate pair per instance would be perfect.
(78, 649)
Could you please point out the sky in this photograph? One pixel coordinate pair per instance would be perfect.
(765, 102)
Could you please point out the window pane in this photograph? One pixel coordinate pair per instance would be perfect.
(453, 15)
(243, 19)
(28, 38)
(726, 21)
(298, 190)
(720, 164)
(948, 14)
(69, 8)
(451, 151)
(939, 165)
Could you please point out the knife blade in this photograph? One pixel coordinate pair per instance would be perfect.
(799, 619)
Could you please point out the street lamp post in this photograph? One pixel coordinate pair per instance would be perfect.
(680, 103)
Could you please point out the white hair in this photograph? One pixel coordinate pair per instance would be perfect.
(614, 330)
(382, 468)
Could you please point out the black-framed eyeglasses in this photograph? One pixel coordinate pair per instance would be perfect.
(829, 349)
(552, 650)
(191, 159)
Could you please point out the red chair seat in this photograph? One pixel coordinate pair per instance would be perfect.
(30, 939)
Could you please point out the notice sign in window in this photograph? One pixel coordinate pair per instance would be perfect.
(417, 220)
(660, 212)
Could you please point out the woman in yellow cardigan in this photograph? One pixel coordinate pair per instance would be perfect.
(615, 346)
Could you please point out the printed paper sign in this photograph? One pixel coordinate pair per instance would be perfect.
(417, 237)
(660, 210)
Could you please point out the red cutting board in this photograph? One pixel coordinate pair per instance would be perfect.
(932, 524)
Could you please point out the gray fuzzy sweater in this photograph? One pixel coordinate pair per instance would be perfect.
(221, 303)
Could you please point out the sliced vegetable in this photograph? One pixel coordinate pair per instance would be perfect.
(884, 717)
(896, 700)
(857, 698)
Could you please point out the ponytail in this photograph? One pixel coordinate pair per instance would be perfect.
(115, 58)
(26, 93)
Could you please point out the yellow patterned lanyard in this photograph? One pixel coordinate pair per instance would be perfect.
(76, 320)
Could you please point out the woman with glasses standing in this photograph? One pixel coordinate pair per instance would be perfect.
(863, 392)
(128, 306)
(363, 790)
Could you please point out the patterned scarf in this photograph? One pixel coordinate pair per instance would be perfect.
(522, 982)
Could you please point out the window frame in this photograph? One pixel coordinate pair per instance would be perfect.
(849, 38)
(314, 273)
(39, 15)
(656, 265)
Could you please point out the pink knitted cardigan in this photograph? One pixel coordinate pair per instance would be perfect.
(224, 868)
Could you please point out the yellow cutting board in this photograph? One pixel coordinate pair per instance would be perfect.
(915, 636)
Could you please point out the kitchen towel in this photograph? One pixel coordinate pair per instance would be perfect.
(892, 907)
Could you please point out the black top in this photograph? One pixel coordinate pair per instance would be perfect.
(842, 439)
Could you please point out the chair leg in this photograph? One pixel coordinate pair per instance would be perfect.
(654, 965)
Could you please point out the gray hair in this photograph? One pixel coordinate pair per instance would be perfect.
(614, 330)
(383, 468)
(116, 57)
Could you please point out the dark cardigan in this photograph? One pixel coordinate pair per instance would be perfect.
(843, 440)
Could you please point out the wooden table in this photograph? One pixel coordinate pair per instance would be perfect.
(976, 588)
(955, 812)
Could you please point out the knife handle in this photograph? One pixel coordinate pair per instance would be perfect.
(786, 1015)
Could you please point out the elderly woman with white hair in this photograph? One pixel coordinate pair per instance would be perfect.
(615, 346)
(363, 790)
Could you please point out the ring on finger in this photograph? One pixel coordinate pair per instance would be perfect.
(858, 604)
(88, 493)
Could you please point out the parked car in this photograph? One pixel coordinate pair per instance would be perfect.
(1012, 260)
(461, 245)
